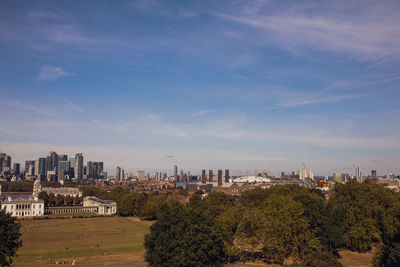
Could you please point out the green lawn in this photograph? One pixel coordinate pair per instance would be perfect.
(109, 240)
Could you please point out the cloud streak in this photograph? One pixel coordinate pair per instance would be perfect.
(363, 37)
(51, 73)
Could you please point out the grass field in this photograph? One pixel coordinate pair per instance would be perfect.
(115, 241)
(90, 241)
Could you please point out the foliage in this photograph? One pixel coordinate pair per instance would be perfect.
(273, 230)
(356, 211)
(389, 252)
(9, 238)
(17, 186)
(183, 237)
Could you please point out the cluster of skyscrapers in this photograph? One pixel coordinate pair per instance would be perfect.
(54, 167)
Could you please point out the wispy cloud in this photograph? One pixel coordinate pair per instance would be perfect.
(51, 73)
(316, 100)
(372, 36)
(202, 112)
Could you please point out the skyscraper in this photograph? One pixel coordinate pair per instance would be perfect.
(16, 168)
(226, 176)
(358, 174)
(118, 174)
(210, 176)
(90, 173)
(49, 163)
(176, 172)
(373, 175)
(219, 177)
(54, 160)
(203, 176)
(36, 167)
(29, 163)
(78, 166)
(42, 166)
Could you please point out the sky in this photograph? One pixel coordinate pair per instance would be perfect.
(216, 84)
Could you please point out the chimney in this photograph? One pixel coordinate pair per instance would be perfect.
(203, 176)
(219, 177)
(226, 176)
(210, 176)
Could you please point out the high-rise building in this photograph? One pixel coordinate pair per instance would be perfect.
(310, 173)
(78, 166)
(49, 163)
(29, 163)
(303, 174)
(63, 157)
(373, 175)
(42, 166)
(54, 160)
(345, 177)
(210, 176)
(337, 177)
(97, 169)
(203, 176)
(36, 167)
(358, 174)
(118, 174)
(227, 176)
(31, 170)
(219, 177)
(122, 174)
(90, 173)
(176, 172)
(63, 165)
(5, 163)
(16, 168)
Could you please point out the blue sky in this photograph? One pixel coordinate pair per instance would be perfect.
(203, 84)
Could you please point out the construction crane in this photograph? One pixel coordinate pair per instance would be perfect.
(267, 174)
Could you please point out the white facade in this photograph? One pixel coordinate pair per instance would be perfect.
(20, 207)
(105, 207)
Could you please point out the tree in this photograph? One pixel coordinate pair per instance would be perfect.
(43, 195)
(69, 200)
(183, 237)
(9, 238)
(60, 201)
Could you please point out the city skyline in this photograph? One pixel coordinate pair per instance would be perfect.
(238, 85)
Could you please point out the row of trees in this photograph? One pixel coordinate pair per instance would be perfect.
(51, 200)
(27, 186)
(146, 206)
(275, 224)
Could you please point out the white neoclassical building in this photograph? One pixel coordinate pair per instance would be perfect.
(104, 207)
(22, 207)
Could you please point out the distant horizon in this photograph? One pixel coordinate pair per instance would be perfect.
(209, 84)
(169, 171)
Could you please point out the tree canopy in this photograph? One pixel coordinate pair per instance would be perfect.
(183, 237)
(9, 238)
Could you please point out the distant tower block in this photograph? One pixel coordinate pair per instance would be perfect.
(210, 176)
(219, 177)
(203, 176)
(226, 176)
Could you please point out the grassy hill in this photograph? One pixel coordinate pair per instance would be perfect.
(89, 241)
